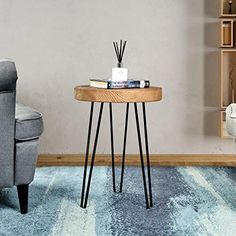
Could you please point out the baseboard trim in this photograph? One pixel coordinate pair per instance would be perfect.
(134, 160)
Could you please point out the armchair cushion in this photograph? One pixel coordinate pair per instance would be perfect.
(29, 123)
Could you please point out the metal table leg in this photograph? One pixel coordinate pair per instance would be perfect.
(93, 157)
(83, 203)
(87, 153)
(147, 153)
(112, 149)
(124, 147)
(141, 154)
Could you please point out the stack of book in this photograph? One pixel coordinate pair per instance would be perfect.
(109, 84)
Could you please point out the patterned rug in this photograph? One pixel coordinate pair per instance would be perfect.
(187, 201)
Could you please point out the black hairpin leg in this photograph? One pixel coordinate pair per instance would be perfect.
(83, 203)
(147, 154)
(141, 154)
(112, 149)
(93, 156)
(87, 153)
(124, 146)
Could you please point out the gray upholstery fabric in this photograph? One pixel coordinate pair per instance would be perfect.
(7, 120)
(8, 75)
(29, 123)
(26, 159)
(8, 79)
(18, 138)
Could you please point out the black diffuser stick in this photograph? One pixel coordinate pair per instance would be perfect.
(117, 54)
(123, 49)
(119, 50)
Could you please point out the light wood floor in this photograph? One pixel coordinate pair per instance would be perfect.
(134, 160)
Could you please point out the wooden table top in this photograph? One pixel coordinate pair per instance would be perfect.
(91, 94)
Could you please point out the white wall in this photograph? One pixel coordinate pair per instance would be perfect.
(59, 44)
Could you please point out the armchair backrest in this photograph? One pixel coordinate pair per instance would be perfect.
(8, 77)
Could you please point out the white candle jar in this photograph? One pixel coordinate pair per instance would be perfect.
(119, 73)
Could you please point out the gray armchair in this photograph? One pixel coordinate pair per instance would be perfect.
(20, 129)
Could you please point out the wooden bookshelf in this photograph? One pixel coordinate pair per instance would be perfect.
(227, 60)
(228, 73)
(227, 87)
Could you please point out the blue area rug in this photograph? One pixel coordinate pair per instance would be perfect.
(187, 201)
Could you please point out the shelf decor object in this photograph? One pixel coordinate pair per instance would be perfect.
(231, 79)
(119, 73)
(227, 33)
(224, 133)
(228, 8)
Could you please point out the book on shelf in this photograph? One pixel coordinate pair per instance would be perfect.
(109, 84)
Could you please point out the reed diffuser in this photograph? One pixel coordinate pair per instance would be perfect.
(119, 73)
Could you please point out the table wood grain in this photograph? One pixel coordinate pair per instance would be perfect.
(91, 94)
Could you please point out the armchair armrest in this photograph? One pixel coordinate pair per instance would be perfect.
(8, 75)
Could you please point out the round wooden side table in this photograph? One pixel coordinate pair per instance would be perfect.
(92, 95)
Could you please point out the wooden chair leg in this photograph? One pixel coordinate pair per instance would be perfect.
(23, 191)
